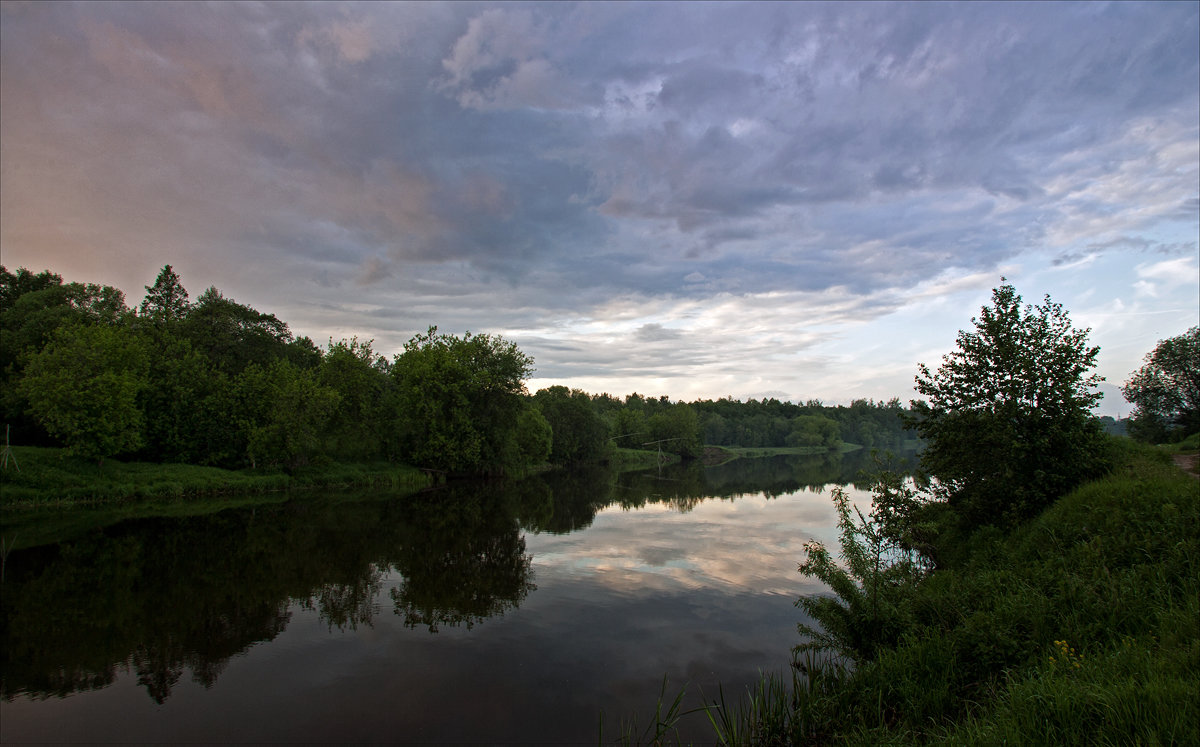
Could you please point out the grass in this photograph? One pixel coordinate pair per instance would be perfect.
(48, 478)
(1191, 443)
(54, 497)
(632, 459)
(663, 726)
(754, 452)
(1080, 627)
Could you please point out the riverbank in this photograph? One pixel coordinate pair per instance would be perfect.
(1080, 627)
(41, 477)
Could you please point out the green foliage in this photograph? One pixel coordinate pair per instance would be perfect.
(189, 407)
(814, 430)
(15, 285)
(534, 437)
(770, 423)
(629, 429)
(764, 717)
(48, 477)
(1079, 627)
(220, 383)
(1125, 693)
(84, 388)
(353, 370)
(663, 727)
(166, 301)
(1166, 390)
(675, 430)
(34, 308)
(1007, 425)
(458, 400)
(871, 583)
(284, 411)
(579, 433)
(232, 335)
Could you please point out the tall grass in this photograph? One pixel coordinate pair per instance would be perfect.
(663, 726)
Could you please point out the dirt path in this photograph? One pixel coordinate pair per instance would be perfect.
(1189, 463)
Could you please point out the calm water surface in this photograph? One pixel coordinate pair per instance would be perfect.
(509, 612)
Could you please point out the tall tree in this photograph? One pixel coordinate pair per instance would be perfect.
(166, 300)
(233, 335)
(1166, 390)
(1007, 425)
(189, 406)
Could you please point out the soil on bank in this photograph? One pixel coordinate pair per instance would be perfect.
(1189, 463)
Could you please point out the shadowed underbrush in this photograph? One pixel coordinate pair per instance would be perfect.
(47, 477)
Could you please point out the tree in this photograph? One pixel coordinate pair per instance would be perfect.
(534, 437)
(579, 433)
(458, 400)
(284, 413)
(1166, 390)
(15, 285)
(352, 369)
(675, 429)
(34, 307)
(166, 300)
(83, 387)
(872, 582)
(629, 429)
(1007, 425)
(233, 335)
(189, 406)
(814, 430)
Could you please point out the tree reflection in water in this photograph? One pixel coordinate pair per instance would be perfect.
(161, 597)
(462, 556)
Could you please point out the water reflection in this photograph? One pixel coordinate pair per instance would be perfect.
(158, 599)
(462, 555)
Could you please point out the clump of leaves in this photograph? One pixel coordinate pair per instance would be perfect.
(1008, 425)
(879, 567)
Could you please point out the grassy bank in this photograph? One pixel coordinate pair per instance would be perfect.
(38, 477)
(754, 452)
(1080, 627)
(631, 459)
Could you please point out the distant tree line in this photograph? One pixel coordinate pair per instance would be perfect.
(216, 382)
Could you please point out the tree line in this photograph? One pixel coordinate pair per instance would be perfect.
(215, 382)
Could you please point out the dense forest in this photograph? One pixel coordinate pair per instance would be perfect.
(216, 382)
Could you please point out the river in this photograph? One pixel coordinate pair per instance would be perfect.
(539, 610)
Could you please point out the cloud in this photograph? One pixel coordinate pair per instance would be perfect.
(1165, 275)
(655, 332)
(500, 63)
(374, 271)
(760, 180)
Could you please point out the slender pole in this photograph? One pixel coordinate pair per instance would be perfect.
(8, 451)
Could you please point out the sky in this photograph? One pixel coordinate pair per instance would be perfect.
(698, 200)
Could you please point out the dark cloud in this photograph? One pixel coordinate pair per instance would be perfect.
(656, 333)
